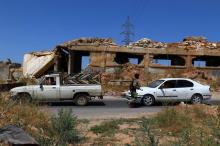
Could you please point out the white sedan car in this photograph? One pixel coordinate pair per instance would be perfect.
(171, 89)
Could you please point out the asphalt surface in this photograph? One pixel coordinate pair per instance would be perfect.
(111, 107)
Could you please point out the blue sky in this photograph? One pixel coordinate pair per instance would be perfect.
(35, 25)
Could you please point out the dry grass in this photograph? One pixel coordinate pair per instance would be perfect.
(46, 129)
(26, 116)
(196, 125)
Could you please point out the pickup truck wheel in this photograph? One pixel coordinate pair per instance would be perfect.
(196, 99)
(148, 100)
(82, 100)
(23, 98)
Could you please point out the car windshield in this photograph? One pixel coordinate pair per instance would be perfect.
(156, 83)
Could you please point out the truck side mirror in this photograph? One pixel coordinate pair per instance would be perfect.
(41, 86)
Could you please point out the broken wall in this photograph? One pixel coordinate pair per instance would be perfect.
(36, 64)
(9, 71)
(4, 71)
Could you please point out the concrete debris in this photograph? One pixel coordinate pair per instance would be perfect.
(16, 136)
(197, 43)
(147, 43)
(196, 39)
(42, 53)
(90, 41)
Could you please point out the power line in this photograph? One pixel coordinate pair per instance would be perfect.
(128, 31)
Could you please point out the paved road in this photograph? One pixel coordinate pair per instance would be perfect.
(110, 107)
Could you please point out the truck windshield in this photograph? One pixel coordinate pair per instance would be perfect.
(156, 83)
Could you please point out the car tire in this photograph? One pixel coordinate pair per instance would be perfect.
(148, 100)
(81, 100)
(196, 99)
(23, 98)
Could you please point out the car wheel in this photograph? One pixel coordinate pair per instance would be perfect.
(196, 99)
(82, 99)
(148, 100)
(23, 98)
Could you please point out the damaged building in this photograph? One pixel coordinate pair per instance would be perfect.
(105, 55)
(9, 71)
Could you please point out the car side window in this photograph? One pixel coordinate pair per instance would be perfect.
(184, 84)
(169, 84)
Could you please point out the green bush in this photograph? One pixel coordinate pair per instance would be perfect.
(63, 131)
(64, 126)
(173, 119)
(147, 137)
(106, 128)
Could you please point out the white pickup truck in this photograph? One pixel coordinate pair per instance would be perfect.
(52, 88)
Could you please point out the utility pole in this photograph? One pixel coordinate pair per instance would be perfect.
(128, 31)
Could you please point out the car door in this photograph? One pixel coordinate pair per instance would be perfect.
(47, 91)
(167, 91)
(185, 89)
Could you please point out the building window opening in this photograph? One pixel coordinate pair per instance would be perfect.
(168, 60)
(123, 58)
(206, 61)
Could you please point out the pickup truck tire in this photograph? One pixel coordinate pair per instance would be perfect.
(82, 99)
(23, 98)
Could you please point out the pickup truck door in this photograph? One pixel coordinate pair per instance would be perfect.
(47, 92)
(49, 89)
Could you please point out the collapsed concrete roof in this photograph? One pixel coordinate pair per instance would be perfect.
(37, 62)
(89, 41)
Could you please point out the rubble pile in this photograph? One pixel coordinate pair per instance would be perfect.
(128, 70)
(147, 43)
(90, 41)
(197, 43)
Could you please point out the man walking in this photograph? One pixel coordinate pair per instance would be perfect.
(133, 87)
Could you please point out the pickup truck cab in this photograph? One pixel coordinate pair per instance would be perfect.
(52, 88)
